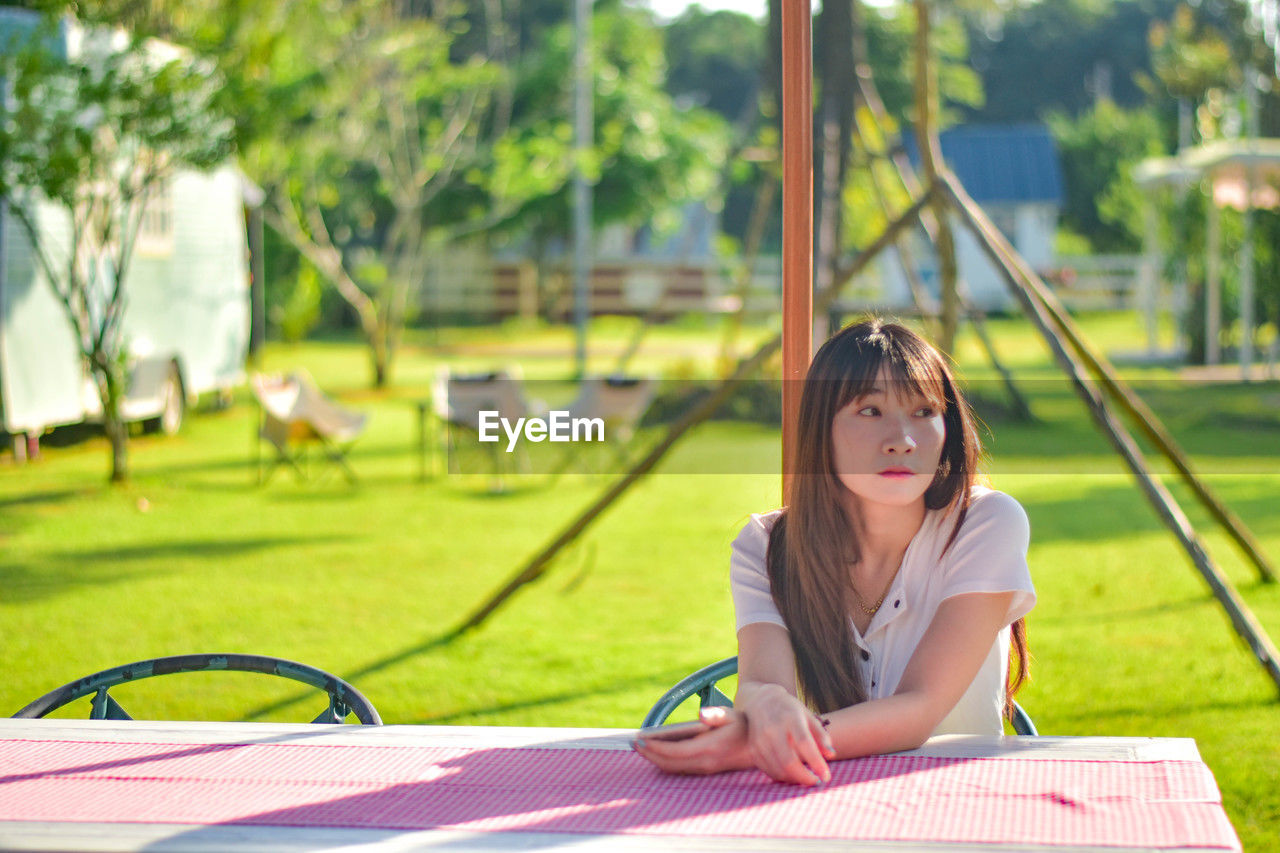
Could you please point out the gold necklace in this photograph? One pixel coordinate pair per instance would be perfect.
(873, 609)
(870, 611)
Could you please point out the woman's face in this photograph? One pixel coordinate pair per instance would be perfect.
(887, 443)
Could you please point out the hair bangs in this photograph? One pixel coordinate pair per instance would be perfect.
(912, 370)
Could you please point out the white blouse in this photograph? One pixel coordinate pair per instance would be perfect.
(988, 555)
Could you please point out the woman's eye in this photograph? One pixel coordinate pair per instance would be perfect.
(869, 411)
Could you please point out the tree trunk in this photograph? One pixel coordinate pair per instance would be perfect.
(380, 359)
(118, 434)
(109, 378)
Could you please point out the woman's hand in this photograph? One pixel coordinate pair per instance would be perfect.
(784, 738)
(722, 747)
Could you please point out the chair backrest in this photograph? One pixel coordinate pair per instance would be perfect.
(323, 415)
(278, 395)
(703, 683)
(459, 398)
(343, 698)
(620, 401)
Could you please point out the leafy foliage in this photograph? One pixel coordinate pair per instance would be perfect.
(1099, 150)
(1075, 52)
(649, 154)
(714, 60)
(94, 134)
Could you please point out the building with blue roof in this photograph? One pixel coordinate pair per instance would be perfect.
(1013, 172)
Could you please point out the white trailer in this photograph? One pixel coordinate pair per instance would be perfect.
(186, 319)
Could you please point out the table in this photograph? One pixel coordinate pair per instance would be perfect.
(107, 785)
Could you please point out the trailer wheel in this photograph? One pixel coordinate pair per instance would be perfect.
(175, 405)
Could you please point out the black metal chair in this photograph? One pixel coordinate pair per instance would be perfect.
(344, 700)
(703, 684)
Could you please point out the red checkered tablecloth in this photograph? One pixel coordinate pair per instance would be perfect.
(908, 798)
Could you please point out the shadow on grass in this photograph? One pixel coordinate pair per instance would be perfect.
(376, 666)
(1126, 713)
(1120, 509)
(661, 680)
(62, 571)
(41, 498)
(1083, 616)
(1113, 511)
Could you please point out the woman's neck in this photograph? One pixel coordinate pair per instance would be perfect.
(884, 532)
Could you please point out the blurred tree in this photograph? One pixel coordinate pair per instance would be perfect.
(1098, 151)
(1077, 51)
(714, 60)
(382, 130)
(1208, 56)
(650, 155)
(357, 162)
(95, 135)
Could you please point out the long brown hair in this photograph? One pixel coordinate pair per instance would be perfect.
(812, 542)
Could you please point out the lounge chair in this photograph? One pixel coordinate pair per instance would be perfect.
(619, 402)
(458, 399)
(296, 415)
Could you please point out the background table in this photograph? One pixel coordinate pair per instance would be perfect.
(105, 785)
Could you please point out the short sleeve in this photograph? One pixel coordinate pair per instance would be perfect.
(990, 553)
(748, 575)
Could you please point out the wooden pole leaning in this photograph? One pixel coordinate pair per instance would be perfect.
(1146, 419)
(919, 297)
(927, 104)
(1023, 286)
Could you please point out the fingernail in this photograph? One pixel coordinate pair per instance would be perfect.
(637, 744)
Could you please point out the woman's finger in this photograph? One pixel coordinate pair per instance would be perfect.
(806, 747)
(794, 772)
(715, 716)
(778, 757)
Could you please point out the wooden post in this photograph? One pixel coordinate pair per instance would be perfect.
(1213, 285)
(797, 220)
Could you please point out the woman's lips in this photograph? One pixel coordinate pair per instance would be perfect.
(897, 473)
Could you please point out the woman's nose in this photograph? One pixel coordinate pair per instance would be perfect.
(899, 439)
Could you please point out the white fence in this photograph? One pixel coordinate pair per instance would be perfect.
(472, 284)
(1094, 282)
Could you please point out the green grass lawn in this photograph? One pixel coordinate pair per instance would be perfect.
(365, 581)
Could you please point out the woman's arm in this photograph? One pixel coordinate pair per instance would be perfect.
(785, 739)
(770, 728)
(942, 667)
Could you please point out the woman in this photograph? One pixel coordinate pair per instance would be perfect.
(881, 606)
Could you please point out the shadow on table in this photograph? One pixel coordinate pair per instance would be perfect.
(546, 794)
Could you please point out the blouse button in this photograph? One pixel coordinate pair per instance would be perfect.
(897, 603)
(866, 655)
